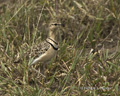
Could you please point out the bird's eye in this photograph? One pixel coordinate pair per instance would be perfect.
(55, 24)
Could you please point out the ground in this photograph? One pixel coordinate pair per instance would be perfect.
(88, 59)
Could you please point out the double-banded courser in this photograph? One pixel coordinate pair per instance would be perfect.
(44, 51)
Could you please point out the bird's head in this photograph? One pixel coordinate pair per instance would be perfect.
(55, 30)
(54, 26)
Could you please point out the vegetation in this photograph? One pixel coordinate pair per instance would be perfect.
(88, 61)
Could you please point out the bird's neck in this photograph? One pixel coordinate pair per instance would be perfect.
(52, 40)
(53, 36)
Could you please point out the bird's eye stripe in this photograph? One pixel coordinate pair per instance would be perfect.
(55, 24)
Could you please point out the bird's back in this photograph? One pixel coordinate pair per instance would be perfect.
(33, 52)
(37, 50)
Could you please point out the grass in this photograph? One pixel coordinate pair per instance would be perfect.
(88, 61)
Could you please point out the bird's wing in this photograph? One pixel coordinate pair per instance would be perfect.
(37, 50)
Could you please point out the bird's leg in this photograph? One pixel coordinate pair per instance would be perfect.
(38, 72)
(43, 68)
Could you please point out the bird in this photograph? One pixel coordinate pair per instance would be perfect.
(44, 51)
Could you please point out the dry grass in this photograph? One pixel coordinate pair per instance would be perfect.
(88, 62)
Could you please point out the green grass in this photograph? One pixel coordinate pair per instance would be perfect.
(88, 60)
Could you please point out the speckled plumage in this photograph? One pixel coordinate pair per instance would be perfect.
(42, 52)
(38, 49)
(34, 52)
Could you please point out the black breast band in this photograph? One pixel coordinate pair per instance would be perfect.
(52, 45)
(53, 41)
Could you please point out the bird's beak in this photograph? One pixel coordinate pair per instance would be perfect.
(63, 25)
(60, 24)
